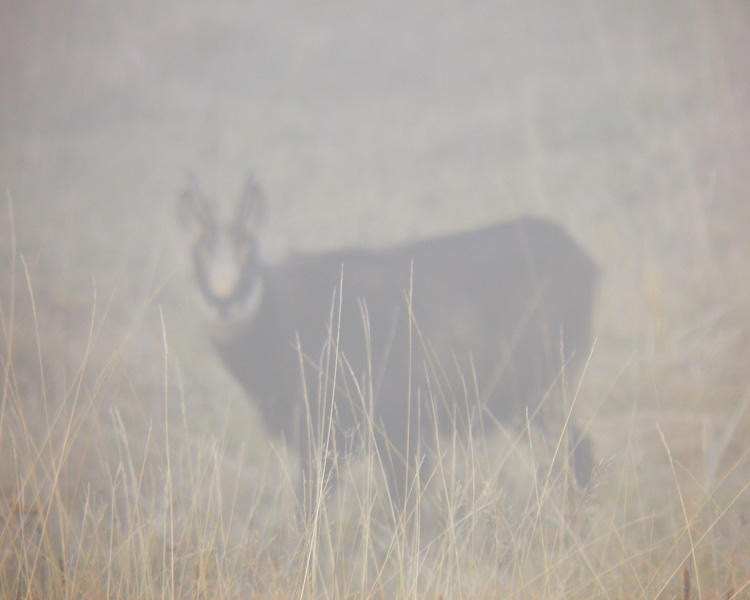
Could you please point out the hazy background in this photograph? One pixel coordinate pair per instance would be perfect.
(369, 123)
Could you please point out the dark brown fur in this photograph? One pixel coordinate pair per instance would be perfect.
(509, 303)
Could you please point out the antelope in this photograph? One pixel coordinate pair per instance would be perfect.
(476, 323)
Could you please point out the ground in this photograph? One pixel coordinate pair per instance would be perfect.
(369, 124)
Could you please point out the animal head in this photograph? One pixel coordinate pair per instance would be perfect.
(224, 253)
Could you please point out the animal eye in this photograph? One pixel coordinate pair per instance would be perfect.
(204, 254)
(244, 250)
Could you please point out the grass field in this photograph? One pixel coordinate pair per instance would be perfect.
(132, 466)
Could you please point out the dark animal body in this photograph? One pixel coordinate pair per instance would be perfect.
(470, 324)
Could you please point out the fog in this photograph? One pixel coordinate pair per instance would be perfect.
(367, 125)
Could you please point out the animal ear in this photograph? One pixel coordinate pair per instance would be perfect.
(252, 209)
(193, 210)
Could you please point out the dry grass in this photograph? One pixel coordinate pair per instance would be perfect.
(123, 477)
(95, 504)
